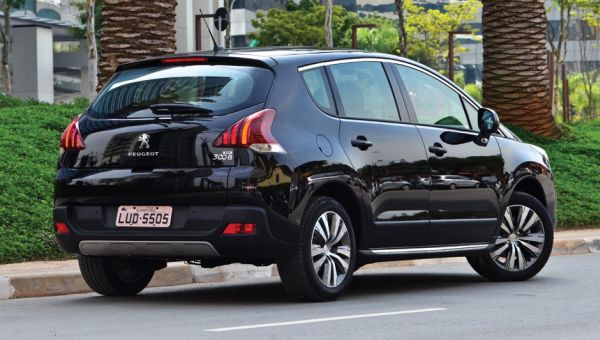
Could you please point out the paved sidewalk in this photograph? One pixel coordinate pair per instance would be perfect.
(35, 279)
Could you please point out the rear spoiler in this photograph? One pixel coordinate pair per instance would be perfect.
(202, 59)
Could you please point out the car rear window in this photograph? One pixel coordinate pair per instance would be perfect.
(220, 88)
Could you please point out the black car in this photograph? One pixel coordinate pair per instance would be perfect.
(317, 161)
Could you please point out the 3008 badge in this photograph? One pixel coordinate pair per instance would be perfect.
(223, 156)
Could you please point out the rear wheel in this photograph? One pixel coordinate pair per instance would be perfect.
(320, 268)
(523, 244)
(112, 276)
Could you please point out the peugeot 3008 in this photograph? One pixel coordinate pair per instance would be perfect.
(317, 161)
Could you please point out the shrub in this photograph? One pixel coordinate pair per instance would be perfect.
(29, 134)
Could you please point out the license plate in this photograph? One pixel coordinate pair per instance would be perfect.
(144, 216)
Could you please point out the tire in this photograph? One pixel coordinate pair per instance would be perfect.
(452, 186)
(115, 276)
(329, 276)
(531, 245)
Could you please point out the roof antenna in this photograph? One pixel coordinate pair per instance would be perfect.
(216, 46)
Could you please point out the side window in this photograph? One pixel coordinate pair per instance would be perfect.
(434, 102)
(318, 88)
(365, 91)
(472, 113)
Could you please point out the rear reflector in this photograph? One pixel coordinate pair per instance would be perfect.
(184, 60)
(253, 132)
(61, 228)
(240, 229)
(71, 137)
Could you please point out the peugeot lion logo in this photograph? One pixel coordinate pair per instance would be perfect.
(144, 140)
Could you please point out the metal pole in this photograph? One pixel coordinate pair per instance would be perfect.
(221, 38)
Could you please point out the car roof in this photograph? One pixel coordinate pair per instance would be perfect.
(273, 56)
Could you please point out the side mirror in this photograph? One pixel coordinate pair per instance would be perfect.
(489, 123)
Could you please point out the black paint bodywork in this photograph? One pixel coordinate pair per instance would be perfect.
(394, 191)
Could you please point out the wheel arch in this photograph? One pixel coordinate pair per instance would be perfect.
(344, 194)
(531, 186)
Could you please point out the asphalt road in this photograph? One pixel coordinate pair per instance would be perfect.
(426, 302)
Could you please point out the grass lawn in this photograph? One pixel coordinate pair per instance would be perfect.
(29, 134)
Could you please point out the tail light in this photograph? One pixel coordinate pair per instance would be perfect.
(184, 60)
(71, 137)
(253, 132)
(61, 228)
(240, 229)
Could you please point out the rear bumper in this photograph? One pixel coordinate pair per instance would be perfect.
(195, 234)
(148, 248)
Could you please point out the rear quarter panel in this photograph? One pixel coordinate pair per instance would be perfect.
(310, 137)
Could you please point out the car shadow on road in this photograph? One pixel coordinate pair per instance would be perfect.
(268, 292)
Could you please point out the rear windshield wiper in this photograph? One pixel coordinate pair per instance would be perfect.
(178, 109)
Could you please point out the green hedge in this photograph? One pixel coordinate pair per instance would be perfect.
(29, 134)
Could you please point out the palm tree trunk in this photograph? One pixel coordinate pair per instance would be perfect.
(516, 79)
(133, 30)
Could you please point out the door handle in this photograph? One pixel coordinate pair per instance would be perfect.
(361, 142)
(438, 150)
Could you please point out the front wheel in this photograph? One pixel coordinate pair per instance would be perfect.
(112, 276)
(321, 266)
(523, 244)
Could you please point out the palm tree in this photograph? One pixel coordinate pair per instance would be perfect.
(133, 30)
(516, 79)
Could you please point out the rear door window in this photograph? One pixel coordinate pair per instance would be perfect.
(365, 91)
(221, 89)
(318, 87)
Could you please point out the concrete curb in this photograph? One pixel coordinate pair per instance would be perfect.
(55, 282)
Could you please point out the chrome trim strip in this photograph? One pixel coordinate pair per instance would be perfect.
(429, 250)
(399, 223)
(465, 220)
(148, 248)
(393, 61)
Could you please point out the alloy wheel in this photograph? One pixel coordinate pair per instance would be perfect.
(521, 239)
(331, 249)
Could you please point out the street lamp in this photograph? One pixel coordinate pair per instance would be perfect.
(451, 35)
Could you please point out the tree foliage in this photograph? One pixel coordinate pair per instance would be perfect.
(427, 31)
(302, 25)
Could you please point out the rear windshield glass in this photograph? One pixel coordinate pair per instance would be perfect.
(220, 89)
